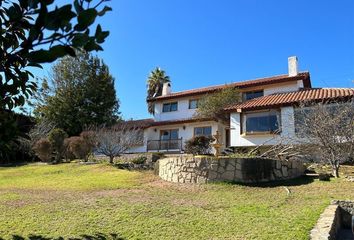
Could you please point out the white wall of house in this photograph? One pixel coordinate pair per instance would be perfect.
(186, 131)
(287, 130)
(282, 88)
(183, 111)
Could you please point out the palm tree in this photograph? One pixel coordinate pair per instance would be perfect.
(155, 82)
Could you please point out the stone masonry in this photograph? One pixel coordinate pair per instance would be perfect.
(189, 169)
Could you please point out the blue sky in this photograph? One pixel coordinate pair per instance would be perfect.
(207, 42)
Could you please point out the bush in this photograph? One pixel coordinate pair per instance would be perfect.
(199, 145)
(79, 147)
(157, 156)
(68, 154)
(56, 138)
(139, 160)
(43, 149)
(90, 138)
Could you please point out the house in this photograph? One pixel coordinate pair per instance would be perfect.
(265, 114)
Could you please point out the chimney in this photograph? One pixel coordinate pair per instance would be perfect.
(166, 89)
(293, 66)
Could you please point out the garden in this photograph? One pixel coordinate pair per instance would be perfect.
(99, 201)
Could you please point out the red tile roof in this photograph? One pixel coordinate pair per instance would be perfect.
(140, 123)
(293, 98)
(305, 76)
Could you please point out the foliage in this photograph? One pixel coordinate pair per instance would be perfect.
(43, 149)
(34, 32)
(79, 147)
(139, 160)
(56, 138)
(116, 140)
(90, 138)
(324, 132)
(81, 94)
(68, 154)
(14, 142)
(156, 156)
(212, 105)
(329, 129)
(92, 194)
(155, 83)
(199, 145)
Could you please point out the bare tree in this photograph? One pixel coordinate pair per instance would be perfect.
(324, 132)
(118, 139)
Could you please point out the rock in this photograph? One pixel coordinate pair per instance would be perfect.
(228, 175)
(230, 167)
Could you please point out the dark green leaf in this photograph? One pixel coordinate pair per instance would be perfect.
(80, 39)
(104, 10)
(85, 19)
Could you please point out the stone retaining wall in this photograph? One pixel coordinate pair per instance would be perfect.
(187, 169)
(335, 222)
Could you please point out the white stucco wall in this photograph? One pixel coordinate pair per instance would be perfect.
(287, 130)
(183, 111)
(153, 133)
(282, 88)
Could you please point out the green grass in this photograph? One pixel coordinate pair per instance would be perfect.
(73, 201)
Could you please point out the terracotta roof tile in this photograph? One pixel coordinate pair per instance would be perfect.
(140, 123)
(292, 98)
(305, 76)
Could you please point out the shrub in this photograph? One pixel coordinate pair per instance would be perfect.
(90, 138)
(68, 154)
(43, 149)
(56, 138)
(198, 145)
(157, 156)
(139, 160)
(79, 147)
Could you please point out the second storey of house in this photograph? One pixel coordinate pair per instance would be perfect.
(183, 105)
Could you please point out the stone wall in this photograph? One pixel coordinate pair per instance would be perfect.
(189, 169)
(334, 222)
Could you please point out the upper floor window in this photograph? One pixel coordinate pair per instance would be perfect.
(253, 94)
(261, 122)
(170, 107)
(193, 104)
(202, 131)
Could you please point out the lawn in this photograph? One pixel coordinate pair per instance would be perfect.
(76, 201)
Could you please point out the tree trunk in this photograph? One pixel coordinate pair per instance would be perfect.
(335, 171)
(111, 159)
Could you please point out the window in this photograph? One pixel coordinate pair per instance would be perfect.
(171, 134)
(261, 122)
(202, 131)
(193, 104)
(170, 107)
(253, 94)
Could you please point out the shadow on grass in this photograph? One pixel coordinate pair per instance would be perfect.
(97, 236)
(287, 183)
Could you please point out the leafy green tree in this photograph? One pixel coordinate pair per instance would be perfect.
(155, 82)
(35, 32)
(81, 94)
(212, 105)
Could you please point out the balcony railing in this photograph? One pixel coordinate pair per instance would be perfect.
(165, 145)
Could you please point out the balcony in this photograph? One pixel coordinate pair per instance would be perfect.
(172, 145)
